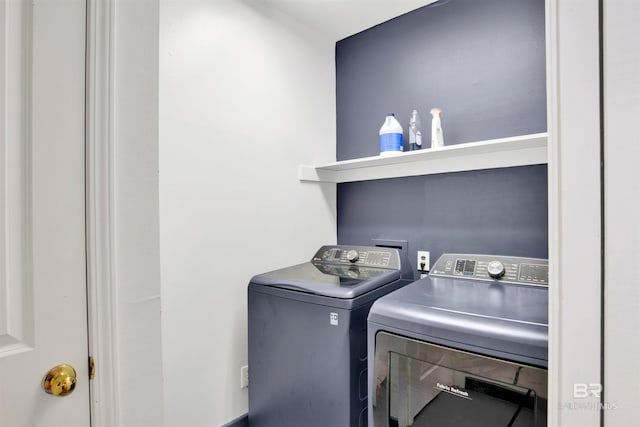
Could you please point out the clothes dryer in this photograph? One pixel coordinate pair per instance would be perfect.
(465, 346)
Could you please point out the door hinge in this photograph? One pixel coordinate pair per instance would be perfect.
(92, 368)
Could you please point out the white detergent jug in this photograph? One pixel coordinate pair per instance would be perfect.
(390, 136)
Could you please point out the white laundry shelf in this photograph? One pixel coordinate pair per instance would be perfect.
(496, 153)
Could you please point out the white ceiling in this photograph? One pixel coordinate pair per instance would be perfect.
(338, 19)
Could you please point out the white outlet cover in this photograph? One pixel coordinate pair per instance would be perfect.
(420, 260)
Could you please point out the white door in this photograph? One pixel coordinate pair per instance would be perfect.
(43, 307)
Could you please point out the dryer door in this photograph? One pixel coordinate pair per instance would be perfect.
(420, 384)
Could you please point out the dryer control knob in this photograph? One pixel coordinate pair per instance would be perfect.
(353, 255)
(496, 269)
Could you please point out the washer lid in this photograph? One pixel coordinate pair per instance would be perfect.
(332, 280)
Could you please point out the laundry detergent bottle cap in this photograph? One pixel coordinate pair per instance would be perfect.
(390, 136)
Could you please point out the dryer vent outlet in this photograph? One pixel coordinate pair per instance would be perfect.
(401, 245)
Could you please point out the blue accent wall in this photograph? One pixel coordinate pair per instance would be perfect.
(483, 63)
(500, 212)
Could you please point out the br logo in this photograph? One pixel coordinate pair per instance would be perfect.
(583, 391)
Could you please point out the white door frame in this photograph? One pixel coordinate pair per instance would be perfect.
(573, 102)
(101, 288)
(121, 103)
(622, 210)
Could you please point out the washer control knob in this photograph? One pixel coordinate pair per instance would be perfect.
(496, 269)
(353, 255)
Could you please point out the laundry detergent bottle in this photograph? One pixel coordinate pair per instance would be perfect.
(390, 136)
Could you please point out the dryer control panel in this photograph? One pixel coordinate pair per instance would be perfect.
(526, 271)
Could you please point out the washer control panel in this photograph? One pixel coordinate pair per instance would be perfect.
(527, 271)
(358, 255)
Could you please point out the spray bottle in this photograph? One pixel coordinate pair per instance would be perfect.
(437, 138)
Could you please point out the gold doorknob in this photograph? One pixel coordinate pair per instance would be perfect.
(60, 380)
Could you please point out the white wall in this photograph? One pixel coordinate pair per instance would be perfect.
(135, 212)
(622, 210)
(246, 95)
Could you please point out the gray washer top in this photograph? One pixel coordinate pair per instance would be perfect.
(506, 318)
(336, 281)
(340, 271)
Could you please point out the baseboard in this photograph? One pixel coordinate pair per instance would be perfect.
(241, 421)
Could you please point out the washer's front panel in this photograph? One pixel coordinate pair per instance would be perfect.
(297, 354)
(418, 384)
(308, 363)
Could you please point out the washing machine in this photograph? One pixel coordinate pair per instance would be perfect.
(308, 336)
(464, 346)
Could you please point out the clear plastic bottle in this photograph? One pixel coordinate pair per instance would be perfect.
(415, 128)
(391, 136)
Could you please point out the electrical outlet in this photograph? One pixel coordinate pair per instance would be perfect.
(244, 376)
(423, 257)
